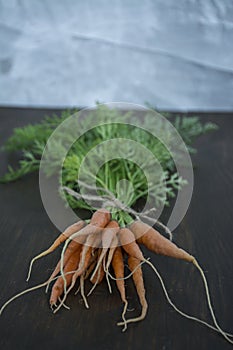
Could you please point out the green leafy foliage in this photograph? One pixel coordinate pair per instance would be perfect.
(190, 128)
(31, 140)
(26, 137)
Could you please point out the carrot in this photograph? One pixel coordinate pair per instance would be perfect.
(58, 287)
(155, 242)
(108, 233)
(71, 248)
(100, 218)
(107, 236)
(83, 291)
(98, 221)
(77, 226)
(99, 272)
(98, 276)
(118, 267)
(134, 265)
(128, 243)
(82, 265)
(112, 249)
(92, 264)
(86, 274)
(85, 257)
(90, 244)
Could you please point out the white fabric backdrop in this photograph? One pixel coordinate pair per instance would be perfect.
(172, 54)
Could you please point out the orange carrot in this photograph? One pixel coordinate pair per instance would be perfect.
(92, 264)
(58, 287)
(112, 248)
(128, 243)
(71, 248)
(85, 257)
(118, 267)
(107, 236)
(77, 226)
(107, 262)
(98, 275)
(98, 221)
(100, 218)
(92, 242)
(155, 242)
(83, 264)
(134, 265)
(108, 233)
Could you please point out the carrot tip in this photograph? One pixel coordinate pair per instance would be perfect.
(194, 261)
(52, 305)
(125, 328)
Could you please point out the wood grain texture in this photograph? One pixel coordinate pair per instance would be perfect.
(206, 232)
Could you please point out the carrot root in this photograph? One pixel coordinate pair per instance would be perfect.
(136, 319)
(21, 293)
(83, 292)
(135, 267)
(25, 291)
(124, 323)
(226, 335)
(61, 238)
(109, 260)
(64, 305)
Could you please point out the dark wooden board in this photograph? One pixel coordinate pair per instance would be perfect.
(206, 232)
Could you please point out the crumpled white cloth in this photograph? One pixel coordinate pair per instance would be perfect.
(171, 54)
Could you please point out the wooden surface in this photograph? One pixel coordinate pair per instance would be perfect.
(206, 232)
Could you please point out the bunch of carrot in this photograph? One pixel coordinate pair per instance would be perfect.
(91, 249)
